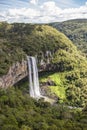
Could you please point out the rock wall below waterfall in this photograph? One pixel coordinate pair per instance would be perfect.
(16, 72)
(19, 70)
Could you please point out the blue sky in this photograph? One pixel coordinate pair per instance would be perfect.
(40, 11)
(4, 4)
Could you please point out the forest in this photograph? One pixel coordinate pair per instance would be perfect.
(64, 80)
(76, 30)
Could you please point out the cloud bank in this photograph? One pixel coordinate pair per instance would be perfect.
(44, 13)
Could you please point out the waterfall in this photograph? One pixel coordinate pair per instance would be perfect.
(34, 89)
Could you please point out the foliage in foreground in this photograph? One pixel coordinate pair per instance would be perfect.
(20, 112)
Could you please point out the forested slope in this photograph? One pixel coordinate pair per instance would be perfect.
(76, 30)
(18, 40)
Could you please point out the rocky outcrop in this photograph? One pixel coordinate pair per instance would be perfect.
(19, 70)
(16, 72)
(44, 61)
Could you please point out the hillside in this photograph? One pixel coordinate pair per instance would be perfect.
(76, 30)
(69, 81)
(17, 40)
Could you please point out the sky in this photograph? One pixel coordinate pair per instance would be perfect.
(42, 11)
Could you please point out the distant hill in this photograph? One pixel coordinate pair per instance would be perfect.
(75, 30)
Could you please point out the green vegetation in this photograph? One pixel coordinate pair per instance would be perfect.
(75, 30)
(18, 40)
(58, 89)
(20, 112)
(70, 87)
(65, 77)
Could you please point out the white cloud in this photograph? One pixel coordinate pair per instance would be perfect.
(29, 12)
(34, 2)
(22, 15)
(50, 9)
(47, 12)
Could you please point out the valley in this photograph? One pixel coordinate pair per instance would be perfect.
(62, 67)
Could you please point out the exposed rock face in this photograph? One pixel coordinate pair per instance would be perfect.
(19, 70)
(44, 61)
(16, 72)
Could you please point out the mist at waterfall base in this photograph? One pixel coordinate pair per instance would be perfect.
(34, 88)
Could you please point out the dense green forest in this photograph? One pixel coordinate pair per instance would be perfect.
(76, 30)
(66, 80)
(20, 112)
(19, 40)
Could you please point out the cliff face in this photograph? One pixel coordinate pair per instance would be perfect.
(16, 72)
(19, 70)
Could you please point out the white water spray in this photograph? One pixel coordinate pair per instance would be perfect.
(34, 88)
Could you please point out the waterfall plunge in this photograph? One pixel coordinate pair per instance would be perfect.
(33, 78)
